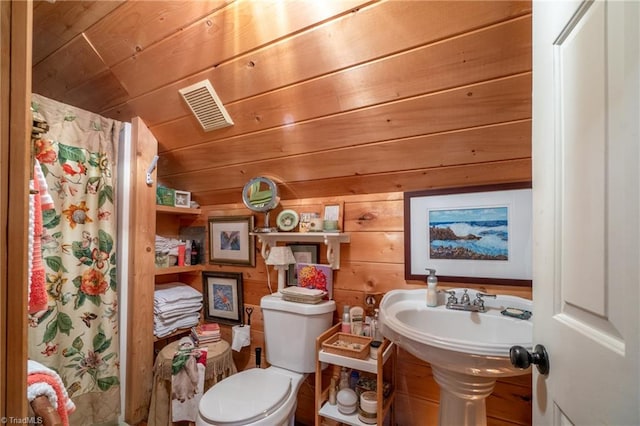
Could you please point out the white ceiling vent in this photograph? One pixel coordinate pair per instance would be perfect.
(206, 106)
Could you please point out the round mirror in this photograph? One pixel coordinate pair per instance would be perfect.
(260, 194)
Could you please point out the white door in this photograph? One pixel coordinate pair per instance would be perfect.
(586, 199)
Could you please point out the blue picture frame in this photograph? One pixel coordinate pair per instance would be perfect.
(231, 242)
(222, 293)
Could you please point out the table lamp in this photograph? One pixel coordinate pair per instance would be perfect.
(280, 257)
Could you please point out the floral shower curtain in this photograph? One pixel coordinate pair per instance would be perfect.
(77, 334)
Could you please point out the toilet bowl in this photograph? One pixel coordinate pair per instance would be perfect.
(269, 396)
(252, 397)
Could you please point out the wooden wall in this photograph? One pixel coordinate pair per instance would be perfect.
(372, 262)
(351, 100)
(329, 98)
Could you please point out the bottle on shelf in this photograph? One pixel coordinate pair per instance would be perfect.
(333, 391)
(181, 251)
(346, 320)
(195, 253)
(344, 378)
(356, 316)
(187, 253)
(376, 335)
(353, 379)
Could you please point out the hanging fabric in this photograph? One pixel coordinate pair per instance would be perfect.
(77, 334)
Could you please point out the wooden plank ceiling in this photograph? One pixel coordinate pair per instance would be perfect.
(328, 97)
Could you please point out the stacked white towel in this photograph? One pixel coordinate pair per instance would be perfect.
(164, 244)
(175, 305)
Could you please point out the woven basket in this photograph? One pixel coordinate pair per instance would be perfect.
(346, 344)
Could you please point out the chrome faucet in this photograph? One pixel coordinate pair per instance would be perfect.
(479, 300)
(464, 300)
(465, 303)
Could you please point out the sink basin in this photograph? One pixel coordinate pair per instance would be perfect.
(467, 350)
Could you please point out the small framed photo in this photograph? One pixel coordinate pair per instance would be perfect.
(223, 297)
(332, 216)
(304, 253)
(230, 242)
(182, 198)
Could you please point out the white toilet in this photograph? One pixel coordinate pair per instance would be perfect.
(268, 396)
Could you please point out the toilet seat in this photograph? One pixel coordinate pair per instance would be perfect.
(245, 397)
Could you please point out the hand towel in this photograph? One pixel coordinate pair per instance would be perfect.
(42, 380)
(187, 380)
(38, 298)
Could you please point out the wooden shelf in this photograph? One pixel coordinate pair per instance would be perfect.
(179, 269)
(177, 210)
(331, 239)
(331, 412)
(368, 364)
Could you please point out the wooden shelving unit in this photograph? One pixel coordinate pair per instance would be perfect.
(175, 213)
(383, 367)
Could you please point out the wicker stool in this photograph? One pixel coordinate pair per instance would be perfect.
(219, 365)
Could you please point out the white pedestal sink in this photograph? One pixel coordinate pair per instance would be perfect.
(467, 351)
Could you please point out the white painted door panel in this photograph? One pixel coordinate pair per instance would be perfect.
(586, 198)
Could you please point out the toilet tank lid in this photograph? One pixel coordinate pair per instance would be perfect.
(275, 302)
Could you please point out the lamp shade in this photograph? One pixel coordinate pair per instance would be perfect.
(280, 255)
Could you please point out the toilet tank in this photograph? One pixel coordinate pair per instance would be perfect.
(291, 329)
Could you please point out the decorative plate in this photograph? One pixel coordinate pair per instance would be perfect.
(287, 220)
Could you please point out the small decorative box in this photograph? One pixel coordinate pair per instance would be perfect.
(165, 196)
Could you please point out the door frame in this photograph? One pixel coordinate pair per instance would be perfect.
(15, 140)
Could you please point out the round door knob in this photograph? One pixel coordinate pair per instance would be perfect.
(522, 358)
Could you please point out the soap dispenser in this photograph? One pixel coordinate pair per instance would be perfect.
(432, 288)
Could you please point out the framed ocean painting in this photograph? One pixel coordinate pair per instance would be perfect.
(480, 234)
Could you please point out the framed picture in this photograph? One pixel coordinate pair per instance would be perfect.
(480, 234)
(304, 253)
(333, 213)
(182, 198)
(223, 297)
(230, 242)
(316, 277)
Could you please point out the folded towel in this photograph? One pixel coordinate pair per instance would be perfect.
(172, 321)
(179, 304)
(42, 380)
(172, 292)
(171, 314)
(162, 328)
(177, 321)
(303, 291)
(167, 244)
